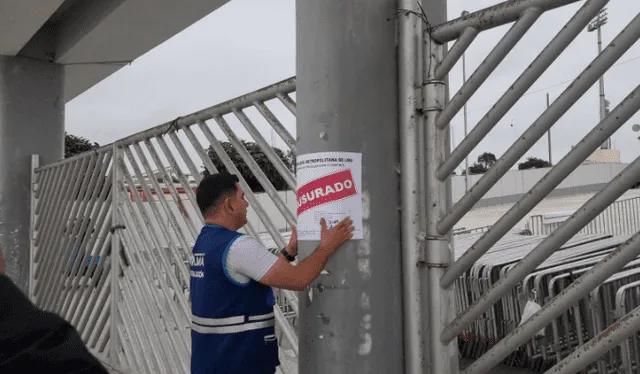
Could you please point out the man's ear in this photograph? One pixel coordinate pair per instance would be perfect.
(226, 204)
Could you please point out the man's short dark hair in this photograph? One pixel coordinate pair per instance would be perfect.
(214, 187)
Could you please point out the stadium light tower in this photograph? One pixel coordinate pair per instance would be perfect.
(467, 180)
(596, 25)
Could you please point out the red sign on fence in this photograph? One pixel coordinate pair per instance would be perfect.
(326, 189)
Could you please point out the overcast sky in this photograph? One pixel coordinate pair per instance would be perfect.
(248, 44)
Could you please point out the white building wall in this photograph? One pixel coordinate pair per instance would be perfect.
(586, 178)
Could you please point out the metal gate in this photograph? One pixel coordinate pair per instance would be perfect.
(112, 229)
(546, 304)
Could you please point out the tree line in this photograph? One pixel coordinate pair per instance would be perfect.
(487, 159)
(75, 145)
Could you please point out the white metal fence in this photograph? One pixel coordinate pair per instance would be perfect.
(113, 263)
(620, 218)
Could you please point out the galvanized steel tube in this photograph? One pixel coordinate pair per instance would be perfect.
(616, 119)
(618, 46)
(548, 55)
(612, 263)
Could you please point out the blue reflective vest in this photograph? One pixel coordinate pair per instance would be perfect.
(232, 327)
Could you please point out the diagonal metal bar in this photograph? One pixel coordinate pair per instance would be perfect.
(618, 46)
(563, 301)
(488, 66)
(491, 17)
(598, 203)
(88, 214)
(253, 200)
(53, 207)
(206, 160)
(276, 124)
(256, 170)
(181, 176)
(193, 169)
(183, 237)
(58, 238)
(51, 201)
(550, 53)
(170, 186)
(266, 148)
(607, 340)
(288, 102)
(456, 51)
(287, 329)
(84, 323)
(157, 231)
(95, 214)
(42, 255)
(45, 179)
(151, 235)
(240, 102)
(102, 240)
(135, 253)
(616, 119)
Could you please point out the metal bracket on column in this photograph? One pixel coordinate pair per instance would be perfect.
(418, 95)
(433, 251)
(434, 83)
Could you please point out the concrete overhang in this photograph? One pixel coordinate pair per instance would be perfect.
(20, 20)
(93, 39)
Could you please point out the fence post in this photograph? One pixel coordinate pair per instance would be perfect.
(439, 308)
(35, 163)
(351, 318)
(116, 225)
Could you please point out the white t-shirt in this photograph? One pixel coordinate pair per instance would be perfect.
(248, 259)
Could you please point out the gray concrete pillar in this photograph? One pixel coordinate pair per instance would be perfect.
(347, 101)
(31, 122)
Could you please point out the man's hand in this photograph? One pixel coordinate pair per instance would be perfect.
(292, 247)
(331, 239)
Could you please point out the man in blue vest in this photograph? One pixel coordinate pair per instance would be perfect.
(232, 330)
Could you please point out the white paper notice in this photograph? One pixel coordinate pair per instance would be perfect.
(329, 187)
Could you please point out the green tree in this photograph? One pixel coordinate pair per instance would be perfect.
(477, 168)
(487, 160)
(261, 159)
(74, 145)
(533, 163)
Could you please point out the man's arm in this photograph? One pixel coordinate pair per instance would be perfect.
(296, 278)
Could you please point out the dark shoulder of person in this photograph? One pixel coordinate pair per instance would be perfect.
(35, 341)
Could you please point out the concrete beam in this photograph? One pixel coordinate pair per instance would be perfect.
(116, 31)
(20, 20)
(81, 78)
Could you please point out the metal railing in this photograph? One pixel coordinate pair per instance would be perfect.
(138, 316)
(538, 301)
(472, 291)
(620, 218)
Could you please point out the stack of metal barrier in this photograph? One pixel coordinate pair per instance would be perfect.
(608, 302)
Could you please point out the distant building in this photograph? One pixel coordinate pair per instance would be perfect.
(604, 156)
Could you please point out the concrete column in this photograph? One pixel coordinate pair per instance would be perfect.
(31, 122)
(347, 101)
